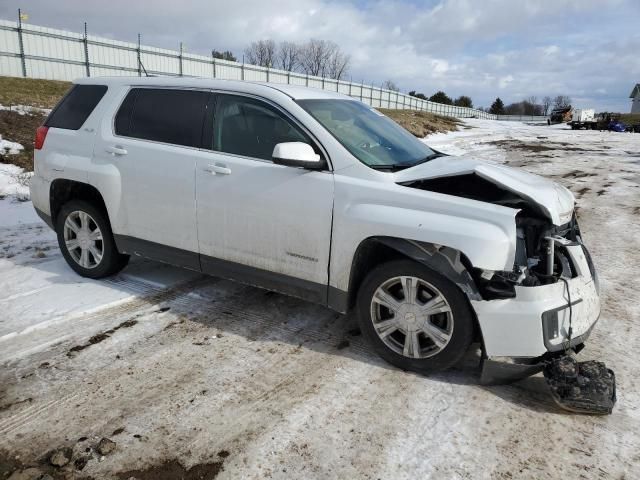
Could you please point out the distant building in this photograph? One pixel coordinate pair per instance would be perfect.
(635, 103)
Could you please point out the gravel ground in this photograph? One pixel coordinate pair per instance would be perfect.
(196, 377)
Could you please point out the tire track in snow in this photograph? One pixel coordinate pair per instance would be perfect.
(40, 336)
(237, 312)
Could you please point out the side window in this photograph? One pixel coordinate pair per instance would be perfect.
(76, 106)
(163, 115)
(251, 128)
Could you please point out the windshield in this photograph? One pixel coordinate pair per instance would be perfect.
(374, 139)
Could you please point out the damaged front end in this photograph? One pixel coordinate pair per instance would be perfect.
(537, 315)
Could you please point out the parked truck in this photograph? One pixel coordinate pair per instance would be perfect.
(584, 118)
(560, 115)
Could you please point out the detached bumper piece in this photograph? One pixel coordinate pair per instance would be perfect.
(582, 387)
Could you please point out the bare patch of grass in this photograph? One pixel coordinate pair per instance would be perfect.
(630, 118)
(32, 92)
(420, 123)
(542, 146)
(20, 128)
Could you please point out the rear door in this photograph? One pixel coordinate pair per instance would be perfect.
(146, 160)
(262, 223)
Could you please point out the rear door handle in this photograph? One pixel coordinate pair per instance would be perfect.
(116, 150)
(218, 168)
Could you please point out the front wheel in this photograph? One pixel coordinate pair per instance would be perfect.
(413, 317)
(86, 240)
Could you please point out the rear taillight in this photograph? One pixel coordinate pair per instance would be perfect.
(41, 134)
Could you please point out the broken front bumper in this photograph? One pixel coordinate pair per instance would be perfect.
(537, 320)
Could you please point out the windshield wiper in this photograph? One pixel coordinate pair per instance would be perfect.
(393, 167)
(429, 158)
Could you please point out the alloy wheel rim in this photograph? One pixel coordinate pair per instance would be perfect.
(83, 239)
(412, 317)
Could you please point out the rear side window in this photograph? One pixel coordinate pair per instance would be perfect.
(168, 116)
(76, 106)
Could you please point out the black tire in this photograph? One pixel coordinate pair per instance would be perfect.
(111, 262)
(463, 324)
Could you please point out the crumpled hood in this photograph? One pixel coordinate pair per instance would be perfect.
(555, 200)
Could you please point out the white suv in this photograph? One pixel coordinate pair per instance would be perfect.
(314, 194)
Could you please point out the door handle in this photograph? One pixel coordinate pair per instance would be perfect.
(218, 168)
(116, 150)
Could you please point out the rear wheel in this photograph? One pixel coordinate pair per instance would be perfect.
(86, 240)
(414, 318)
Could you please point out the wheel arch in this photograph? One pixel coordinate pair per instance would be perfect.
(63, 190)
(448, 262)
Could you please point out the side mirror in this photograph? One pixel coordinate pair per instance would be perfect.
(296, 154)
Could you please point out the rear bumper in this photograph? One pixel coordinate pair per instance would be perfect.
(537, 320)
(39, 189)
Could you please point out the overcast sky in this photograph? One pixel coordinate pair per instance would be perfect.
(587, 49)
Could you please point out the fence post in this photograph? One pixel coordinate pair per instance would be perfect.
(267, 74)
(21, 43)
(180, 60)
(361, 88)
(371, 95)
(213, 62)
(350, 85)
(139, 58)
(86, 50)
(242, 69)
(288, 77)
(307, 80)
(323, 82)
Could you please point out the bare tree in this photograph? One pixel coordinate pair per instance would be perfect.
(261, 53)
(390, 85)
(314, 56)
(323, 58)
(546, 104)
(338, 64)
(288, 56)
(562, 101)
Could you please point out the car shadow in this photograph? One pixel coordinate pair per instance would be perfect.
(260, 315)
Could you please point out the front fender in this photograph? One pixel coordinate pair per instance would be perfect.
(484, 233)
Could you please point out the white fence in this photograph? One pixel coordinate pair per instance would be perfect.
(40, 52)
(523, 118)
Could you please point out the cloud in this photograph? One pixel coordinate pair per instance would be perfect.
(584, 48)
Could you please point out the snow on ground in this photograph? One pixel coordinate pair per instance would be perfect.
(14, 183)
(9, 148)
(174, 366)
(25, 109)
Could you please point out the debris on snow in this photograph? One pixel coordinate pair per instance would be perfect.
(60, 457)
(106, 446)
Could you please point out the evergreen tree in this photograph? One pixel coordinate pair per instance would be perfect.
(497, 107)
(226, 55)
(463, 101)
(441, 97)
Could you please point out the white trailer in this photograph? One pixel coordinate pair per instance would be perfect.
(583, 118)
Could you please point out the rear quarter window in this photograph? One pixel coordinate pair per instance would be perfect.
(76, 106)
(163, 115)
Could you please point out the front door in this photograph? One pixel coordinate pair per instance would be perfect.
(259, 222)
